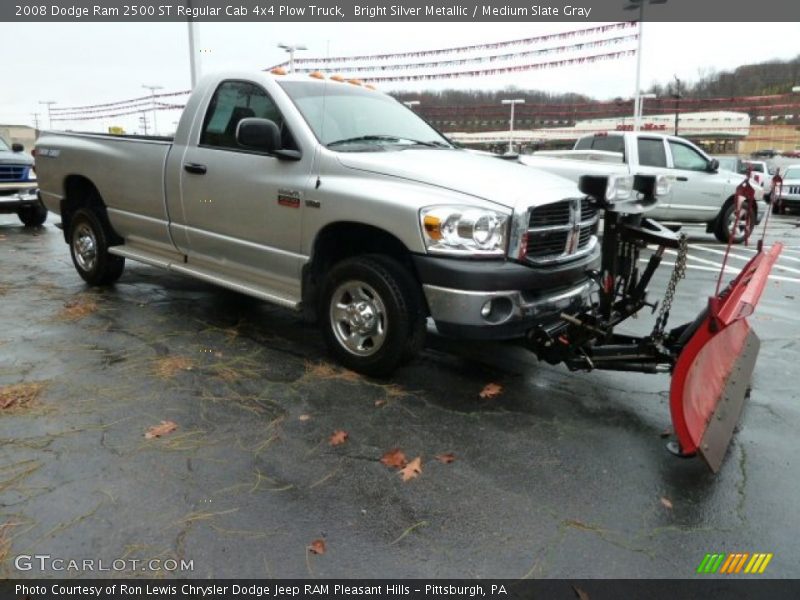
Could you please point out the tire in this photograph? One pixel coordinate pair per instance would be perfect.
(725, 222)
(378, 295)
(88, 245)
(33, 216)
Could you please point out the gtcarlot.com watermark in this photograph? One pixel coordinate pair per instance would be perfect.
(47, 562)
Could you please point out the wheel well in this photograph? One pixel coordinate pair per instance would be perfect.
(80, 192)
(338, 241)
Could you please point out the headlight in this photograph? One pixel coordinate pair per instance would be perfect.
(462, 230)
(663, 185)
(31, 174)
(619, 188)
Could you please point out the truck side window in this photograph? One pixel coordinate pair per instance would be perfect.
(610, 143)
(651, 152)
(232, 102)
(684, 157)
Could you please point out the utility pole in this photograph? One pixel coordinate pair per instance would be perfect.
(35, 121)
(677, 96)
(153, 89)
(143, 121)
(291, 49)
(513, 102)
(49, 104)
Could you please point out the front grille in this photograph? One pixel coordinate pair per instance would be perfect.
(11, 172)
(793, 189)
(560, 231)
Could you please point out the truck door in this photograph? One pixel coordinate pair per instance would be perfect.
(243, 209)
(652, 160)
(697, 192)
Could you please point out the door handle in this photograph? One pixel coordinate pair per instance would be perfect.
(195, 168)
(678, 178)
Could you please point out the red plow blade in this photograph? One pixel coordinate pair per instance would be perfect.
(711, 378)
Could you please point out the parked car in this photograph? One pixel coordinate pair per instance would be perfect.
(788, 198)
(334, 200)
(699, 191)
(18, 185)
(758, 169)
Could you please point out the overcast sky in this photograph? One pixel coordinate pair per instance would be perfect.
(88, 63)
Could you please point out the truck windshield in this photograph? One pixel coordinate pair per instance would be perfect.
(349, 118)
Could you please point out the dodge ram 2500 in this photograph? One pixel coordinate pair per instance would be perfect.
(699, 191)
(18, 185)
(333, 199)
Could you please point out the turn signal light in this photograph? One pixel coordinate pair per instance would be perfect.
(337, 78)
(317, 75)
(433, 227)
(354, 81)
(278, 71)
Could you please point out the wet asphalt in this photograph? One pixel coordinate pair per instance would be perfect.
(561, 475)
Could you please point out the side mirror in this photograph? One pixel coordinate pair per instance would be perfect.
(17, 147)
(713, 165)
(258, 134)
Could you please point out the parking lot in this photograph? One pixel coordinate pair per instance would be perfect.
(559, 475)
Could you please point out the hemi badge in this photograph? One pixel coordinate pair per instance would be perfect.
(290, 198)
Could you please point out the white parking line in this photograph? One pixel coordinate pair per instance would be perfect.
(728, 270)
(746, 258)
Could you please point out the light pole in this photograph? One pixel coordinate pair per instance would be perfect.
(513, 102)
(411, 103)
(153, 89)
(194, 65)
(639, 5)
(677, 96)
(642, 98)
(35, 121)
(48, 103)
(291, 49)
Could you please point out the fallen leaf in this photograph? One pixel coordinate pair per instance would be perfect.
(303, 417)
(317, 547)
(77, 309)
(339, 437)
(579, 593)
(491, 390)
(412, 469)
(394, 458)
(446, 458)
(19, 395)
(380, 402)
(666, 503)
(163, 428)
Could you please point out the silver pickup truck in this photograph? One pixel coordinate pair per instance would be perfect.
(700, 192)
(330, 198)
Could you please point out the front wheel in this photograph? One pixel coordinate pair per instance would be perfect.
(372, 314)
(33, 215)
(728, 229)
(88, 245)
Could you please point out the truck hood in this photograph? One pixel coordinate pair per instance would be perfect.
(503, 182)
(16, 158)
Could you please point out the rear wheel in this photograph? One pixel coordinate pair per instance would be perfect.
(728, 228)
(33, 215)
(372, 314)
(88, 244)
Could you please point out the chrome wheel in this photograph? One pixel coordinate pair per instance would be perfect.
(84, 247)
(358, 318)
(738, 230)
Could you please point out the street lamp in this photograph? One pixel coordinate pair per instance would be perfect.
(291, 49)
(639, 5)
(48, 103)
(513, 102)
(153, 89)
(411, 103)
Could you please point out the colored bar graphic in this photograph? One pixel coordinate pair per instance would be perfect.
(733, 563)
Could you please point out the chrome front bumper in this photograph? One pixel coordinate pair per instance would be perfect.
(14, 196)
(508, 313)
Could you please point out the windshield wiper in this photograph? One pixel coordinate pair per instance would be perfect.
(387, 138)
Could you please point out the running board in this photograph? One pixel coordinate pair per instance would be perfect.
(175, 263)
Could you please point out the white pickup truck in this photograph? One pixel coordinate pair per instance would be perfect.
(699, 192)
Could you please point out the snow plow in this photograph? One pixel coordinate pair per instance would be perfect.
(711, 359)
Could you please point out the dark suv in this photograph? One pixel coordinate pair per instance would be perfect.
(19, 190)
